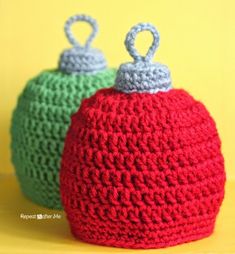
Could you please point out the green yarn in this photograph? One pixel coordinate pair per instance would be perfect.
(39, 125)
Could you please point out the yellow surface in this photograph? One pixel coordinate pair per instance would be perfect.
(53, 236)
(197, 43)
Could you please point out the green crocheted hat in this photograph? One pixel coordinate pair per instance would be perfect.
(42, 115)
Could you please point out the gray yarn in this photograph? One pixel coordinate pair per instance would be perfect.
(74, 19)
(142, 75)
(130, 41)
(81, 59)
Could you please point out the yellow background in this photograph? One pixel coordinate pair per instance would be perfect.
(197, 43)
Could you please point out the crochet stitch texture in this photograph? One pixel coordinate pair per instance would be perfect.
(142, 170)
(81, 59)
(42, 115)
(39, 125)
(142, 165)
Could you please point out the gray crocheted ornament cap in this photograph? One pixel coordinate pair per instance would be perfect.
(81, 59)
(142, 75)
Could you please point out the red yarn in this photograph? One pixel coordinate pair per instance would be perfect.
(142, 170)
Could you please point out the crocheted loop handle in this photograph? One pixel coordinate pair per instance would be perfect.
(69, 34)
(130, 40)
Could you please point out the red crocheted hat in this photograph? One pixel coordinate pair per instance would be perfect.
(142, 164)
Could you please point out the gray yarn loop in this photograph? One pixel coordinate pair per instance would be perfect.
(130, 41)
(69, 34)
(81, 59)
(142, 76)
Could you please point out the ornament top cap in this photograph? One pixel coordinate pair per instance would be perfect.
(81, 59)
(142, 75)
